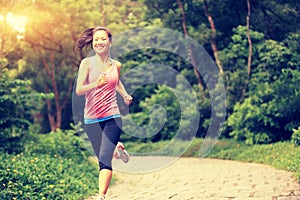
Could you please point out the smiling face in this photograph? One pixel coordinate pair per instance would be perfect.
(101, 42)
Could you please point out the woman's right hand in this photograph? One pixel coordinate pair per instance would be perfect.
(102, 80)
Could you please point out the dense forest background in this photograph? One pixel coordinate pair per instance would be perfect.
(254, 43)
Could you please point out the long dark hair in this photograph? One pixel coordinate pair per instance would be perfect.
(86, 39)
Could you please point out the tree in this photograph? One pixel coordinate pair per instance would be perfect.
(51, 51)
(269, 111)
(250, 50)
(235, 58)
(17, 103)
(186, 34)
(213, 36)
(268, 114)
(170, 113)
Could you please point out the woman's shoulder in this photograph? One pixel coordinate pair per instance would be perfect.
(117, 63)
(85, 62)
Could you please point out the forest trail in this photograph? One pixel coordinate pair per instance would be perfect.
(195, 178)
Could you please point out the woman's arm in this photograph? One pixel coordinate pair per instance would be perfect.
(121, 89)
(81, 87)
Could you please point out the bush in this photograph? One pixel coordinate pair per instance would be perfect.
(17, 101)
(267, 114)
(63, 143)
(296, 136)
(41, 176)
(53, 166)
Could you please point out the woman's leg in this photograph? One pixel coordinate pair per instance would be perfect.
(94, 132)
(110, 138)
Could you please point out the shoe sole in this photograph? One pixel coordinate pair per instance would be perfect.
(123, 155)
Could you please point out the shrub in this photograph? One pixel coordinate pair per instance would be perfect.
(267, 115)
(41, 176)
(296, 136)
(53, 166)
(63, 143)
(17, 100)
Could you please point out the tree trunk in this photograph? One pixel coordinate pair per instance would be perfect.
(49, 112)
(50, 64)
(103, 22)
(185, 31)
(55, 122)
(249, 54)
(50, 116)
(213, 37)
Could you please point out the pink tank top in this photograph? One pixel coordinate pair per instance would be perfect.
(101, 102)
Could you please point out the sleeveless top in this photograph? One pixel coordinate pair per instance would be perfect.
(101, 102)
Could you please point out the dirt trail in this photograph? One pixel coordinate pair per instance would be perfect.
(194, 178)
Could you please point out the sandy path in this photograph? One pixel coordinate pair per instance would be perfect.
(194, 178)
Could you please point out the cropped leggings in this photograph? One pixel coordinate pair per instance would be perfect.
(104, 137)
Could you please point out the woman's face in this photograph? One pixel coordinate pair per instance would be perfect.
(101, 42)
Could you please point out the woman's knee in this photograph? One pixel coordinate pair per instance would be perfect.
(103, 165)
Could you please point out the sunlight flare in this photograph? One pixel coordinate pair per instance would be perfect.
(18, 23)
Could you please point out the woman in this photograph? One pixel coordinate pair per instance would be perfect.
(98, 80)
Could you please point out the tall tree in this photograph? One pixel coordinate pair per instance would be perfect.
(186, 34)
(250, 50)
(52, 43)
(51, 51)
(213, 36)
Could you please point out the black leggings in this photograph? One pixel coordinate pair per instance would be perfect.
(104, 137)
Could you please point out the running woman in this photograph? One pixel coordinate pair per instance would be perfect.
(99, 80)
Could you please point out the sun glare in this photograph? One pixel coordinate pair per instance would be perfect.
(18, 23)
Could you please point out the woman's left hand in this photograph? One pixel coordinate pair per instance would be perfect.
(128, 99)
(120, 145)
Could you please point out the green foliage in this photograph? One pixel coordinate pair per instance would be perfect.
(66, 144)
(235, 55)
(43, 57)
(268, 112)
(123, 16)
(53, 166)
(17, 100)
(42, 176)
(296, 136)
(159, 108)
(168, 112)
(51, 61)
(292, 42)
(234, 60)
(165, 98)
(267, 115)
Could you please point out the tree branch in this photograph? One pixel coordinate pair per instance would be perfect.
(155, 8)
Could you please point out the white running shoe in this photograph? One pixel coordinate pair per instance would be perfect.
(101, 197)
(122, 154)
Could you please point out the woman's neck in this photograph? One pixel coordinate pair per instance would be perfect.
(103, 58)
